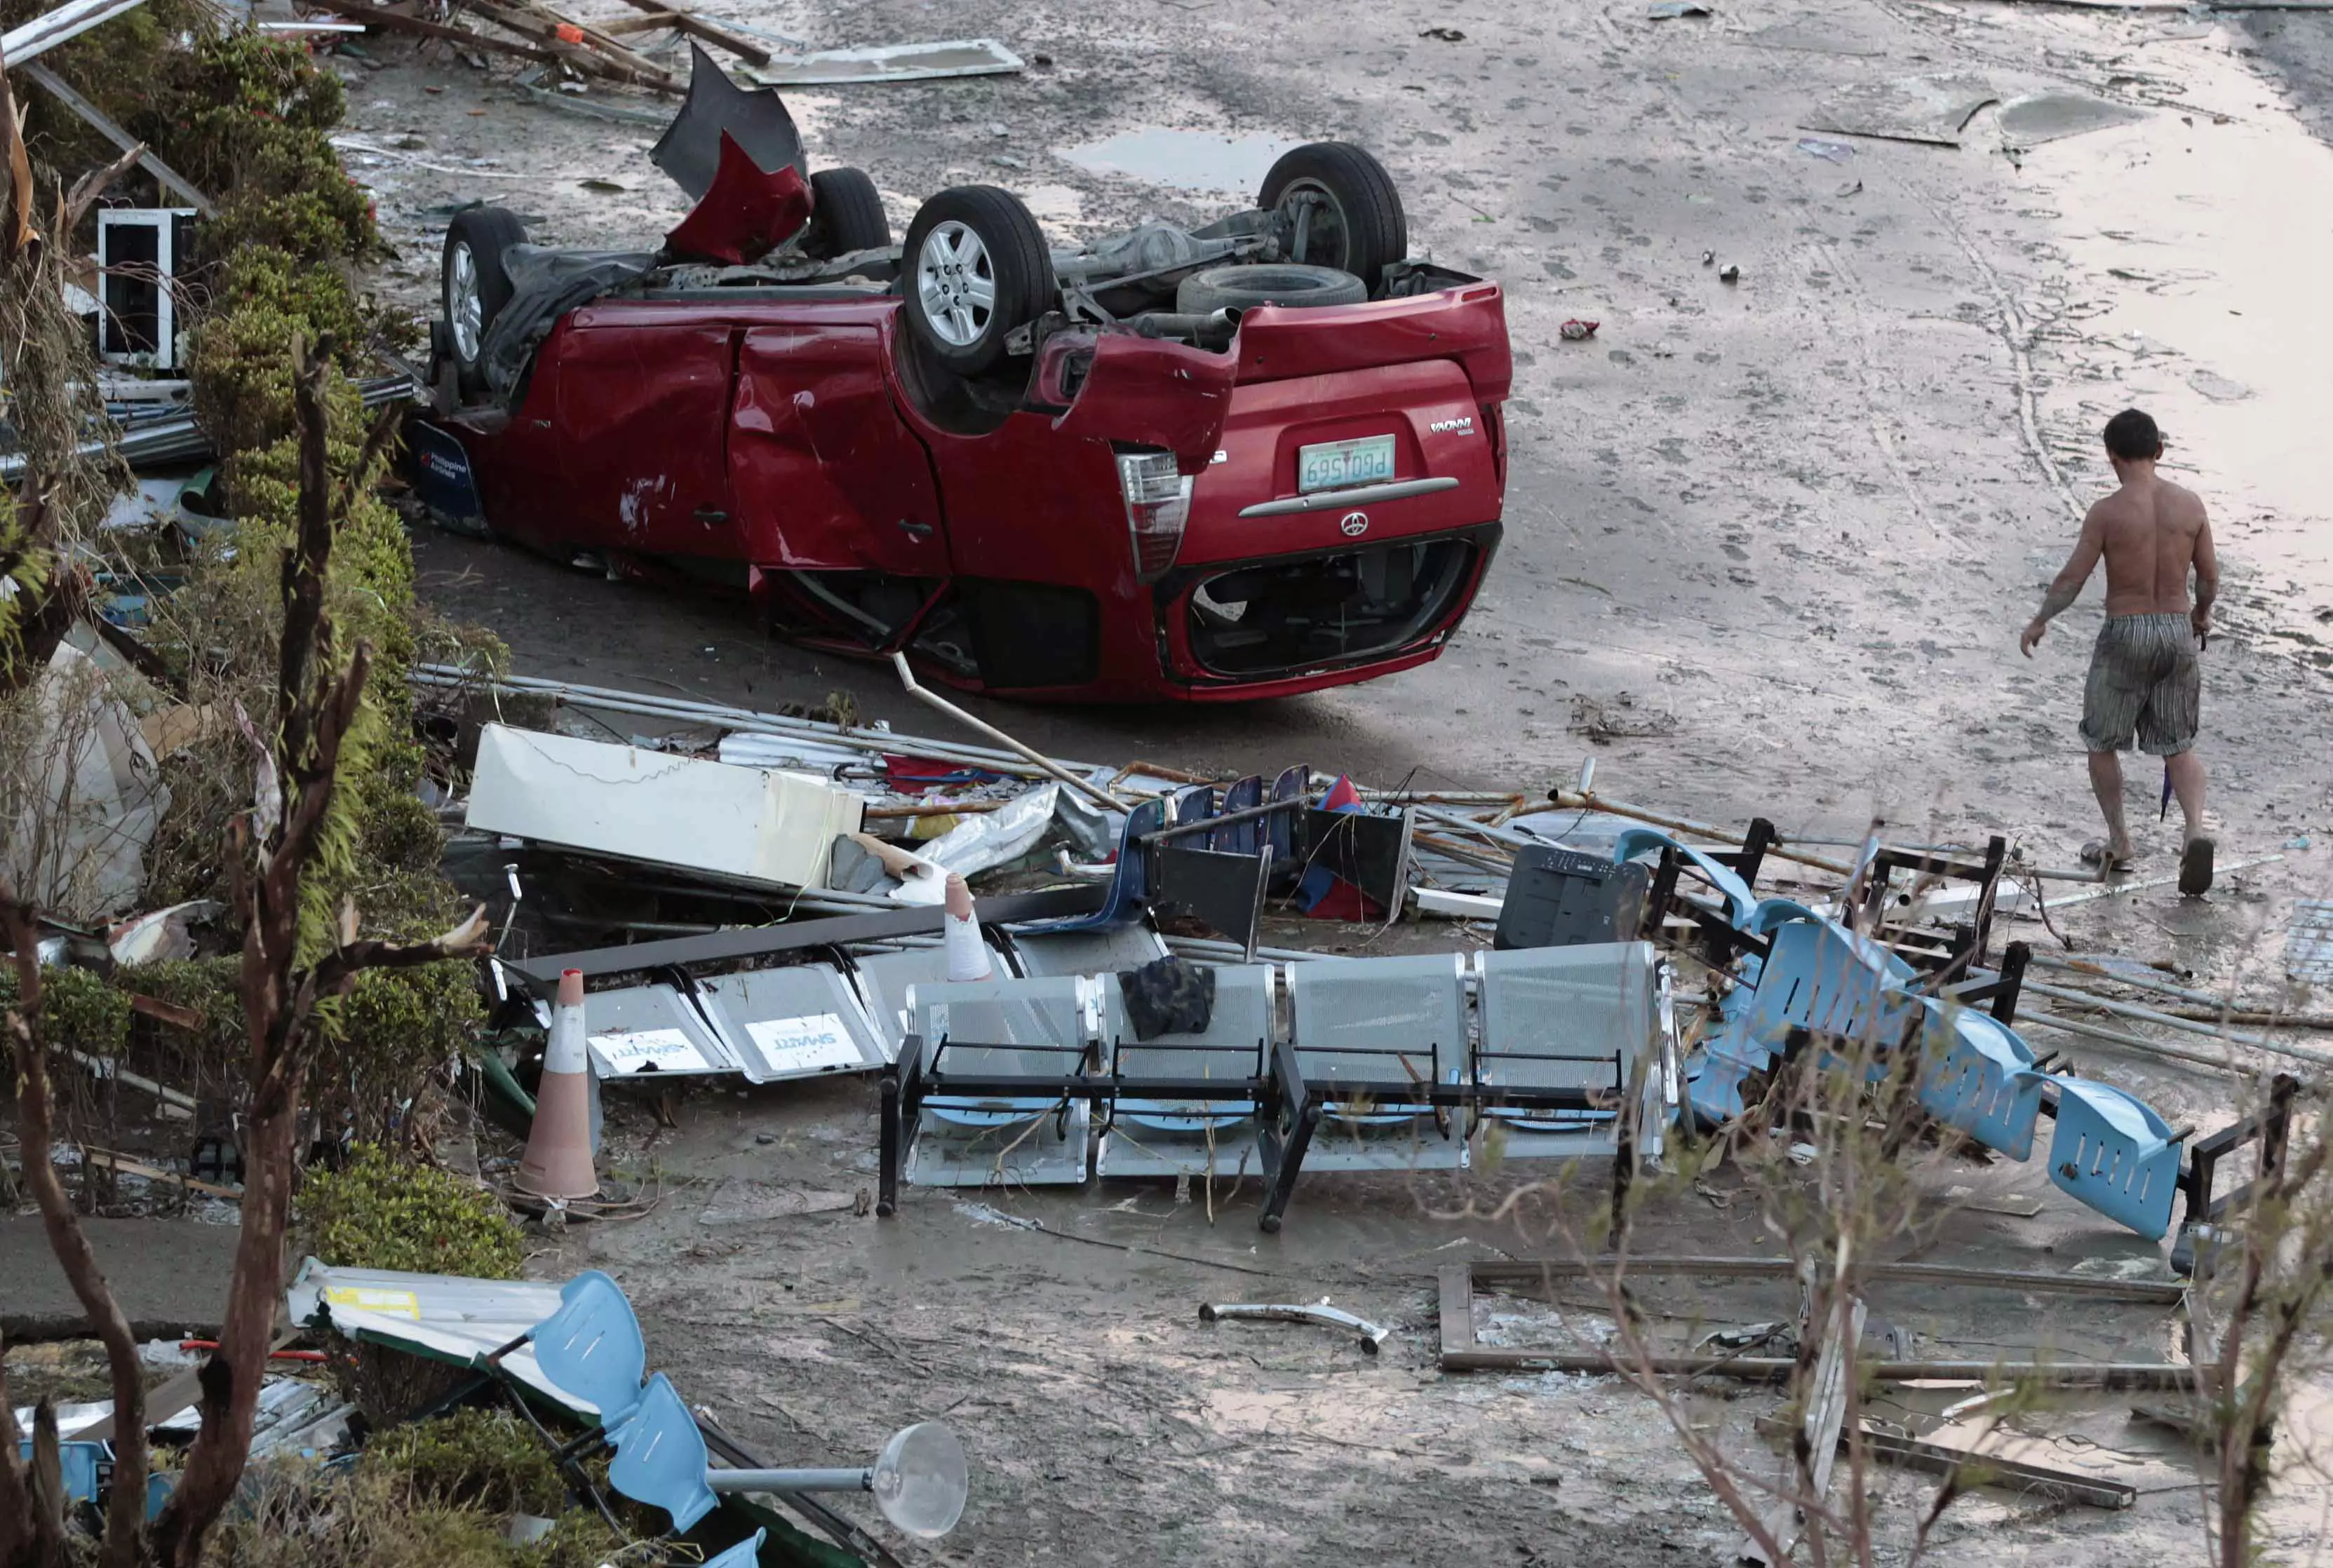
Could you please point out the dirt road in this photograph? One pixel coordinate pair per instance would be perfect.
(1794, 521)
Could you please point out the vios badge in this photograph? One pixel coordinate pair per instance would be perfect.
(1355, 524)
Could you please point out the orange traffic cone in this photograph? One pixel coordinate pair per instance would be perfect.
(967, 955)
(558, 1162)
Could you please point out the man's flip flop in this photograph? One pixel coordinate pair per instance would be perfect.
(2094, 852)
(2196, 867)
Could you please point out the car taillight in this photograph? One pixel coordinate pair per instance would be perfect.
(1157, 505)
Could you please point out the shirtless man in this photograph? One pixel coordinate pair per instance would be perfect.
(2142, 673)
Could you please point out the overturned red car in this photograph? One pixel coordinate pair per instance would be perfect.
(1252, 459)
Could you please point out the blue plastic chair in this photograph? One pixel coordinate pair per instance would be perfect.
(1239, 838)
(1129, 884)
(1638, 842)
(661, 1457)
(1195, 803)
(592, 1347)
(1979, 1078)
(2114, 1153)
(744, 1555)
(1280, 827)
(1818, 976)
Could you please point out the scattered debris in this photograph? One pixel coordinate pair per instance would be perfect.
(1576, 330)
(889, 63)
(1618, 718)
(1832, 151)
(1925, 109)
(1984, 1469)
(1373, 1338)
(756, 825)
(1444, 34)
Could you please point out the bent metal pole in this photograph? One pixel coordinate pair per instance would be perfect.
(1100, 796)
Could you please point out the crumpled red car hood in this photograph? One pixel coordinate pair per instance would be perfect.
(744, 215)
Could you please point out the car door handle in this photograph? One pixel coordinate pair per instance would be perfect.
(710, 517)
(915, 529)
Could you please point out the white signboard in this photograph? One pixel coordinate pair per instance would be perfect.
(625, 1051)
(805, 1045)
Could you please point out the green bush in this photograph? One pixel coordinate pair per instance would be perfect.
(472, 1458)
(382, 1213)
(79, 1012)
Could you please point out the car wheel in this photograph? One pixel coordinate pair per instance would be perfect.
(976, 269)
(1340, 207)
(1241, 287)
(474, 285)
(846, 214)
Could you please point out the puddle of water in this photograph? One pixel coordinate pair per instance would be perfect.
(1191, 159)
(2233, 283)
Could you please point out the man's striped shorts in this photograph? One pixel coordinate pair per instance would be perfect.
(2143, 680)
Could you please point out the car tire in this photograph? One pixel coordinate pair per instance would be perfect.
(1367, 233)
(846, 214)
(473, 284)
(975, 269)
(1242, 288)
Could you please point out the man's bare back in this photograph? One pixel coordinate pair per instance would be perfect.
(2144, 683)
(2153, 532)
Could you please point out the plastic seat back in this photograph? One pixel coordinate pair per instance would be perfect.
(981, 1026)
(1822, 976)
(1129, 883)
(1280, 827)
(2114, 1153)
(1238, 1033)
(744, 1555)
(1382, 1021)
(1979, 1079)
(1239, 838)
(592, 1348)
(888, 977)
(1194, 804)
(1641, 841)
(661, 1457)
(1575, 1017)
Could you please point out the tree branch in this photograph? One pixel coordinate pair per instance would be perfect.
(125, 1526)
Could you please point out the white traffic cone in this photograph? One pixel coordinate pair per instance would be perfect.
(967, 955)
(558, 1162)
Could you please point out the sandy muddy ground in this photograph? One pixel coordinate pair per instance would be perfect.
(1796, 521)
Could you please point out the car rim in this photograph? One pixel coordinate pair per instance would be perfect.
(956, 284)
(464, 308)
(1319, 224)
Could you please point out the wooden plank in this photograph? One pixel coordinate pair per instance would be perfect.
(107, 1159)
(1825, 1414)
(648, 23)
(170, 178)
(171, 1013)
(1527, 1271)
(2145, 1376)
(699, 27)
(1985, 1469)
(377, 16)
(1457, 1312)
(794, 936)
(166, 1399)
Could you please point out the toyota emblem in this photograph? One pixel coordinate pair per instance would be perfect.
(1355, 524)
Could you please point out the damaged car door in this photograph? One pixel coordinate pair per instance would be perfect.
(643, 404)
(826, 476)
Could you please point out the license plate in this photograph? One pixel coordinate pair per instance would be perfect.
(1335, 464)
